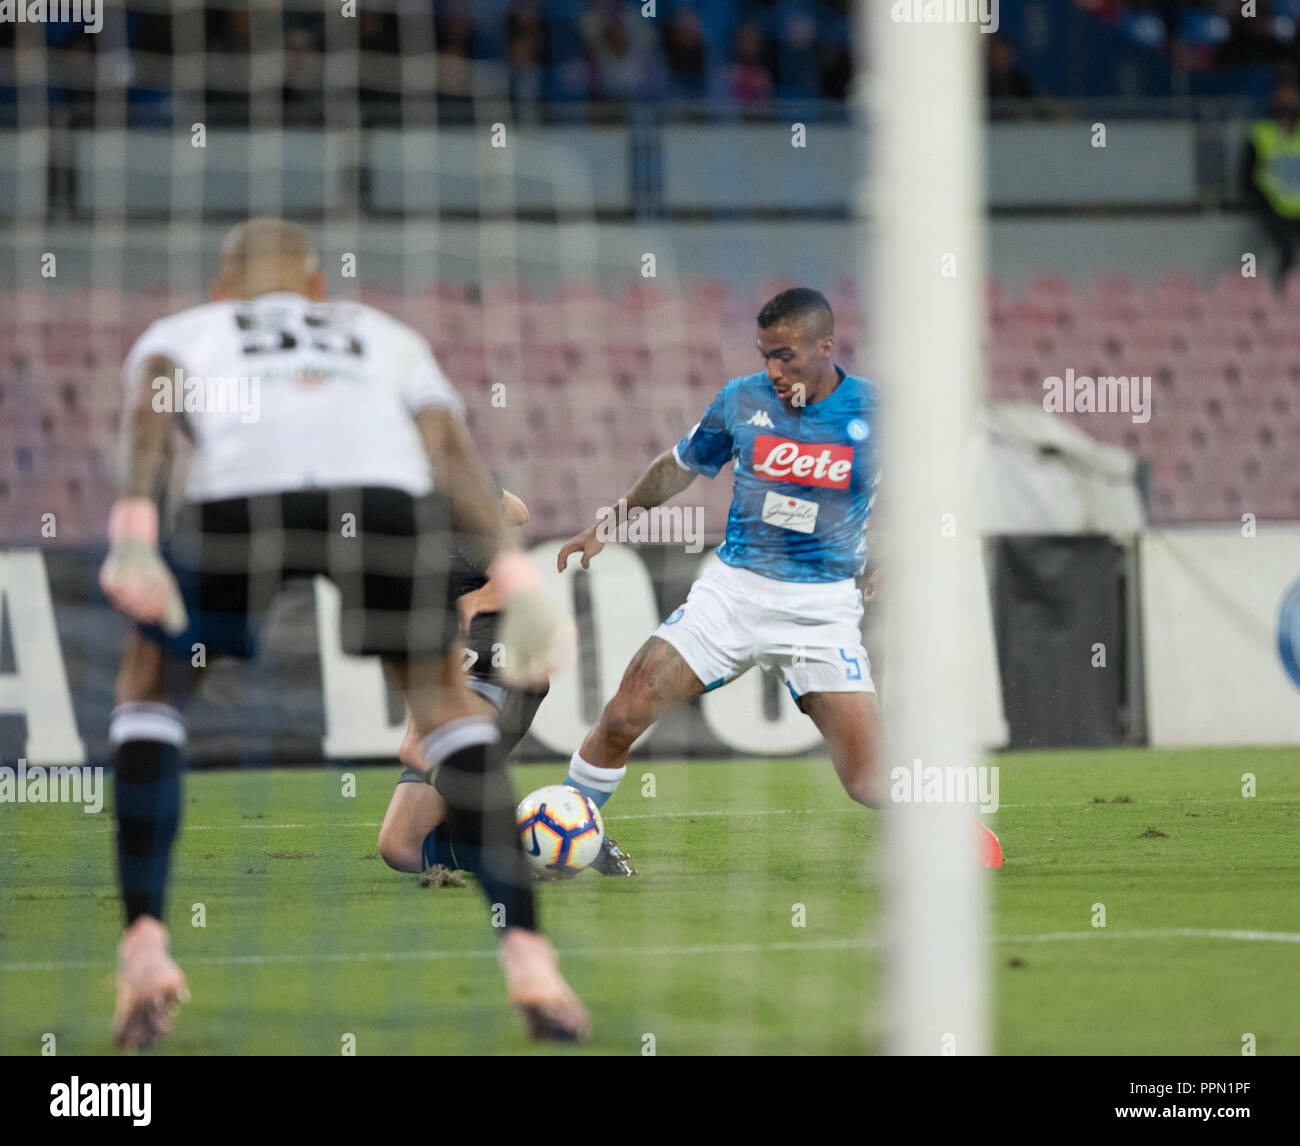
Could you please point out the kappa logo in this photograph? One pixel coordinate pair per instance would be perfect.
(760, 418)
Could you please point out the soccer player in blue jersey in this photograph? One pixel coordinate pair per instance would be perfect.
(801, 437)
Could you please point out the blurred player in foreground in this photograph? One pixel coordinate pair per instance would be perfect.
(414, 836)
(323, 459)
(801, 437)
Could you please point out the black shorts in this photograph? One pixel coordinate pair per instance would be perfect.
(386, 551)
(482, 649)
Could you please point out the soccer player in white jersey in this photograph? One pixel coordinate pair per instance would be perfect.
(801, 439)
(326, 441)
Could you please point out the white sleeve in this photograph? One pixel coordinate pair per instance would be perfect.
(426, 385)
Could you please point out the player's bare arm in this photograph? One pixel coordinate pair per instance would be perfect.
(149, 445)
(664, 479)
(474, 508)
(133, 576)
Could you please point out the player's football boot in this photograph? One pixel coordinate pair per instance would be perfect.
(612, 860)
(150, 986)
(538, 990)
(990, 849)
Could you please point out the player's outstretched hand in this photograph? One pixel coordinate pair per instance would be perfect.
(586, 543)
(134, 576)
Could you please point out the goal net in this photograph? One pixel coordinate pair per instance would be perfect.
(582, 209)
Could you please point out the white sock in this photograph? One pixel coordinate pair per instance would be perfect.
(598, 783)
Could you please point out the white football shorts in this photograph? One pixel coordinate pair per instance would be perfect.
(809, 632)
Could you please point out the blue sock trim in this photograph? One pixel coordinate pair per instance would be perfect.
(597, 796)
(437, 851)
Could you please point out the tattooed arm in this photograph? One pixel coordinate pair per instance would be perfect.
(475, 508)
(134, 577)
(664, 479)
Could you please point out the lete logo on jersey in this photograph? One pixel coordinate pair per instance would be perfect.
(804, 463)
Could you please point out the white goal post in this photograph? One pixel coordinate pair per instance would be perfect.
(923, 197)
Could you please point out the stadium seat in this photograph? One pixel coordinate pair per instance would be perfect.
(620, 379)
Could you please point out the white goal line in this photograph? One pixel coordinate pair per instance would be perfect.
(1231, 935)
(851, 811)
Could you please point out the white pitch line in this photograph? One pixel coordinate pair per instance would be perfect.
(376, 823)
(1161, 933)
(853, 810)
(845, 811)
(1241, 936)
(850, 811)
(738, 812)
(269, 827)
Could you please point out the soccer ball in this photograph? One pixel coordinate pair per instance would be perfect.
(560, 829)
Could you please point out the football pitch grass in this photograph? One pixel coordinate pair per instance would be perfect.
(308, 938)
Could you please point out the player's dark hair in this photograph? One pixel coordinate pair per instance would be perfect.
(797, 305)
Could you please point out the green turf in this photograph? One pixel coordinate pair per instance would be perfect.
(309, 938)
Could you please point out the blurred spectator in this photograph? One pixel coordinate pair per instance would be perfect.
(1005, 79)
(229, 30)
(527, 55)
(1102, 9)
(748, 51)
(74, 73)
(303, 75)
(797, 56)
(228, 80)
(1270, 174)
(834, 71)
(377, 38)
(748, 79)
(151, 32)
(528, 22)
(684, 54)
(1251, 41)
(620, 53)
(377, 31)
(454, 40)
(525, 76)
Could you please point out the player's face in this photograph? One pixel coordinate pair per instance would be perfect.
(796, 360)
